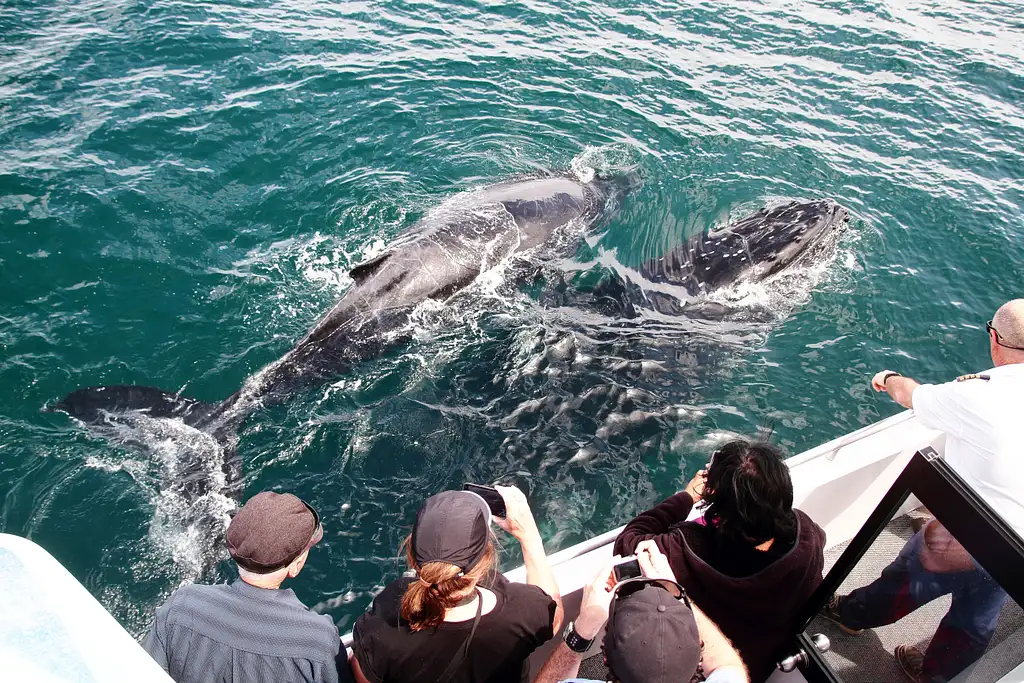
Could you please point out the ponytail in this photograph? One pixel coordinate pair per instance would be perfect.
(439, 587)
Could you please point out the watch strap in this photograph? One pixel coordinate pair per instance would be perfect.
(574, 641)
(889, 375)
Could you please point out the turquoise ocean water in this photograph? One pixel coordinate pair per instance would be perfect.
(183, 186)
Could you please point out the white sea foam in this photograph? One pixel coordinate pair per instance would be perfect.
(606, 159)
(187, 526)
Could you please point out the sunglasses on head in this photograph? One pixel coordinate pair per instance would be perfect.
(317, 526)
(999, 340)
(626, 588)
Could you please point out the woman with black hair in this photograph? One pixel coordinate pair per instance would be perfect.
(752, 560)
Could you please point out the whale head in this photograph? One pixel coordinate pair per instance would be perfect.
(765, 243)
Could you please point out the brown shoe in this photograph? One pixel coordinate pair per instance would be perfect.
(831, 612)
(911, 661)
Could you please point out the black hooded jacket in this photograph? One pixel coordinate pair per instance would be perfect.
(752, 595)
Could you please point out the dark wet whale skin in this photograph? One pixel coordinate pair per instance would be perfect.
(753, 248)
(436, 258)
(440, 255)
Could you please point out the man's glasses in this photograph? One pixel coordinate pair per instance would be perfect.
(317, 527)
(999, 340)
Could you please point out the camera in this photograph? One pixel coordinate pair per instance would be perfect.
(628, 568)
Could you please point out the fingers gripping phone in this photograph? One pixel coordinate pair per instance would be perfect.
(491, 496)
(628, 568)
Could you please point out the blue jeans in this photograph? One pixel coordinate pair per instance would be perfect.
(965, 631)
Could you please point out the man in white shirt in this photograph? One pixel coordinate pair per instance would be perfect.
(654, 634)
(981, 416)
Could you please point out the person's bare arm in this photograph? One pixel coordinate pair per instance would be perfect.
(563, 663)
(899, 388)
(718, 651)
(357, 673)
(520, 523)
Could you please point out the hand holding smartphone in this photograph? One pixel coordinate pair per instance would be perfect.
(491, 496)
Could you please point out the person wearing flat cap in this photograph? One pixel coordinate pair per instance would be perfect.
(252, 631)
(654, 634)
(458, 620)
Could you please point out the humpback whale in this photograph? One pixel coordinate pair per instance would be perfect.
(751, 249)
(440, 255)
(436, 258)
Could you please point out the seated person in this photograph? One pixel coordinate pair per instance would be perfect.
(458, 619)
(251, 630)
(752, 561)
(654, 634)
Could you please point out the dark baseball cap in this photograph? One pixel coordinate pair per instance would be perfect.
(271, 530)
(652, 636)
(452, 527)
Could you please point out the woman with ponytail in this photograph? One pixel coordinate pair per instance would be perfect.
(458, 620)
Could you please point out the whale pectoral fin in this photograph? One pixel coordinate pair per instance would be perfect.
(364, 270)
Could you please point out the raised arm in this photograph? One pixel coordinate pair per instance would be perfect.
(900, 388)
(719, 656)
(659, 519)
(563, 663)
(520, 523)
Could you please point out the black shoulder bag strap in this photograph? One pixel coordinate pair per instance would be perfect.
(460, 656)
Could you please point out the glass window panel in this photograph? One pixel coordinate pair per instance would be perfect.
(979, 640)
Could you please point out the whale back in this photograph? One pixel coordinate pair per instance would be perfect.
(540, 207)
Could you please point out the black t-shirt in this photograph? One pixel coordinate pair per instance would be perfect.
(388, 652)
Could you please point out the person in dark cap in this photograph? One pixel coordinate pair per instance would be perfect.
(458, 620)
(654, 633)
(252, 631)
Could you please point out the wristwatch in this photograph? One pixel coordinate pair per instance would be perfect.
(888, 376)
(574, 641)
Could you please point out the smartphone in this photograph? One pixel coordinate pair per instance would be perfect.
(491, 496)
(628, 568)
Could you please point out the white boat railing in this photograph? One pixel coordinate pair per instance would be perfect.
(831, 449)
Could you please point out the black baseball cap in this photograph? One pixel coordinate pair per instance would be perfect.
(652, 635)
(452, 527)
